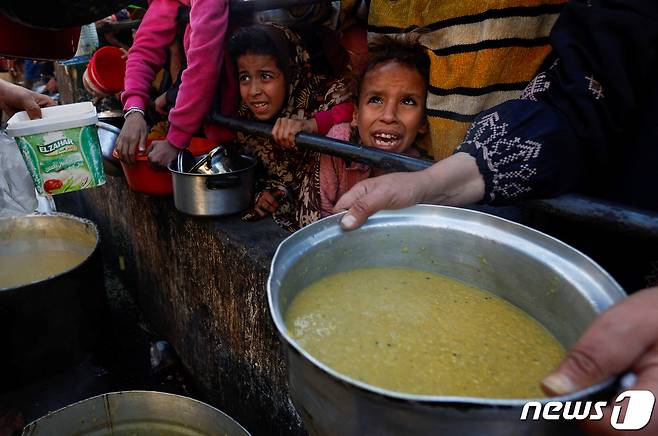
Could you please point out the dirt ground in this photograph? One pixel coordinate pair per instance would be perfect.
(124, 363)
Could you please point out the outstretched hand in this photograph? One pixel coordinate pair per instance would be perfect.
(624, 338)
(453, 181)
(390, 191)
(14, 98)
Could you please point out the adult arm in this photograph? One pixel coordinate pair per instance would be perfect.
(571, 117)
(14, 98)
(567, 120)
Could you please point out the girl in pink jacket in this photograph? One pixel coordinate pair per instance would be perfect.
(204, 49)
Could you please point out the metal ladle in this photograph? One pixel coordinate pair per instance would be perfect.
(216, 162)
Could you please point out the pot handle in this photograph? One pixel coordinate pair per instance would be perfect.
(226, 182)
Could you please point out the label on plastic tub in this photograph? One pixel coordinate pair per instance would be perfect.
(64, 160)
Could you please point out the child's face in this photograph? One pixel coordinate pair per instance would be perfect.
(391, 108)
(262, 85)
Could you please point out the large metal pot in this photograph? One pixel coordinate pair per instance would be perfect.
(136, 413)
(214, 194)
(52, 323)
(557, 285)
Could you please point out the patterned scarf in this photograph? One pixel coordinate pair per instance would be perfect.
(294, 172)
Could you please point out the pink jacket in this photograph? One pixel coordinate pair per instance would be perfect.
(339, 113)
(336, 178)
(203, 44)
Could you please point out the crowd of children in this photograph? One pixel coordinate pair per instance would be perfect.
(382, 106)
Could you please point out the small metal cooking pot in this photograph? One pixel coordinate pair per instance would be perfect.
(560, 287)
(214, 194)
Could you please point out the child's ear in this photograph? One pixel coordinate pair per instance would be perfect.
(424, 128)
(355, 116)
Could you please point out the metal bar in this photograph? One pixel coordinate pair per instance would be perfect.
(618, 217)
(119, 26)
(264, 5)
(334, 147)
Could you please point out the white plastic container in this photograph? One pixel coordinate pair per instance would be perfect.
(61, 150)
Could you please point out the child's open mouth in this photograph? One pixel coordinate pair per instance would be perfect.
(260, 107)
(386, 140)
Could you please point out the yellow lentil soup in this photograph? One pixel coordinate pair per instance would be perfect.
(421, 333)
(28, 267)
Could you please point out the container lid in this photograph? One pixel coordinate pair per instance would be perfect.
(54, 118)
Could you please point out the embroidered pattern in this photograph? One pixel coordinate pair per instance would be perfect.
(537, 85)
(594, 87)
(510, 159)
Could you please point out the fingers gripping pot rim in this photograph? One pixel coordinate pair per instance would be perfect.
(61, 150)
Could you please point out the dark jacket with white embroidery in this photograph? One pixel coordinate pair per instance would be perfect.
(588, 123)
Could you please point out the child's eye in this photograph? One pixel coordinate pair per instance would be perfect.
(243, 77)
(266, 76)
(375, 99)
(408, 101)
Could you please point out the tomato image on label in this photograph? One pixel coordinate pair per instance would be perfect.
(52, 185)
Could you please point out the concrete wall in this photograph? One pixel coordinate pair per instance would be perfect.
(201, 283)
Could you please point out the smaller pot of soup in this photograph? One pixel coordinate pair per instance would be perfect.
(430, 320)
(52, 295)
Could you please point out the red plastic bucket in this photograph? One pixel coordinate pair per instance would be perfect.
(143, 177)
(107, 69)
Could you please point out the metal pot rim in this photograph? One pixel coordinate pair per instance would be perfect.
(90, 224)
(333, 221)
(249, 167)
(118, 393)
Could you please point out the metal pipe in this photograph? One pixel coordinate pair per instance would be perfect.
(618, 217)
(571, 206)
(360, 153)
(264, 5)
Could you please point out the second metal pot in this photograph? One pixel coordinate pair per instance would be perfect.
(214, 194)
(136, 413)
(552, 282)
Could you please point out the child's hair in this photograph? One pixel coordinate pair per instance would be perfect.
(261, 39)
(408, 53)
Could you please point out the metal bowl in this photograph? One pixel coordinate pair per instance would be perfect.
(554, 283)
(141, 413)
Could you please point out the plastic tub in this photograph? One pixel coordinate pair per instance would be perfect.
(144, 177)
(106, 70)
(61, 150)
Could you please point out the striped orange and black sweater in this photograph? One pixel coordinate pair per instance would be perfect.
(483, 53)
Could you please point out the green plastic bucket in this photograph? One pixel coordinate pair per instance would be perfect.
(61, 150)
